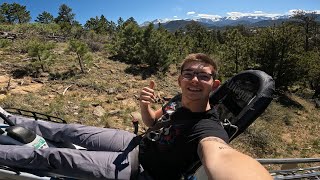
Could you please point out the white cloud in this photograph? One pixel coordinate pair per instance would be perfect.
(255, 13)
(291, 12)
(236, 15)
(166, 20)
(208, 16)
(191, 13)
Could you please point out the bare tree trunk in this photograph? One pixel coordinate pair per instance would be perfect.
(81, 63)
(42, 66)
(306, 47)
(237, 60)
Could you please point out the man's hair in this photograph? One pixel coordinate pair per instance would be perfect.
(200, 57)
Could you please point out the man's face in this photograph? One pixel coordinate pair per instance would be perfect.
(196, 81)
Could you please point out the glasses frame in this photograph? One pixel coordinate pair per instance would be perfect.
(195, 73)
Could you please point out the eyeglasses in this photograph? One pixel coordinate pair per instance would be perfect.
(201, 76)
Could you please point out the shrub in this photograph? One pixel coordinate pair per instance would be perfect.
(5, 43)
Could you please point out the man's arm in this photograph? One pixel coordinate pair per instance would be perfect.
(149, 115)
(220, 161)
(146, 99)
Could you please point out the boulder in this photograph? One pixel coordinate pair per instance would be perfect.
(99, 111)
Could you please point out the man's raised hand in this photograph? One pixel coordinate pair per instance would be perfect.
(147, 94)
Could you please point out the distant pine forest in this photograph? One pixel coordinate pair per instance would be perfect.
(288, 51)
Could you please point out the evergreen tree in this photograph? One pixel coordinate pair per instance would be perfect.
(81, 50)
(103, 25)
(65, 19)
(2, 18)
(6, 13)
(14, 13)
(129, 42)
(92, 24)
(45, 18)
(76, 30)
(41, 51)
(131, 20)
(112, 27)
(278, 54)
(160, 48)
(220, 37)
(200, 38)
(307, 21)
(120, 23)
(65, 15)
(22, 15)
(312, 59)
(181, 44)
(233, 50)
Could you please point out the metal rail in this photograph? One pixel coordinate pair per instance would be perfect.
(288, 160)
(311, 172)
(35, 115)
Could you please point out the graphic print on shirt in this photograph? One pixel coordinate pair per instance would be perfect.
(170, 108)
(166, 136)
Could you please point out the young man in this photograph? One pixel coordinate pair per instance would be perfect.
(180, 133)
(195, 130)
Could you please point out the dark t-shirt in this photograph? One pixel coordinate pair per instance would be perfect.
(168, 152)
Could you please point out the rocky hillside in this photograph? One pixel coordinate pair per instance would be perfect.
(106, 96)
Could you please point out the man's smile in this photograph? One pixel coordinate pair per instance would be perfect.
(194, 89)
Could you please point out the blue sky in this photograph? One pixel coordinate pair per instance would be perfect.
(148, 10)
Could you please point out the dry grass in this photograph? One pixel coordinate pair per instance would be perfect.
(280, 132)
(73, 96)
(283, 132)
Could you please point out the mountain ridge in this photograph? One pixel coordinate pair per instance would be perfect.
(220, 22)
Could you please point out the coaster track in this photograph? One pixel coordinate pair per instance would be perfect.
(312, 171)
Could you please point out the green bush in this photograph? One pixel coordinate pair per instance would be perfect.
(40, 51)
(6, 27)
(81, 49)
(37, 29)
(20, 45)
(96, 42)
(5, 43)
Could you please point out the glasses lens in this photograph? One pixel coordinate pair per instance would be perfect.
(188, 74)
(204, 76)
(201, 76)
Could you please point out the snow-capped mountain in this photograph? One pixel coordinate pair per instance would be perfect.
(222, 21)
(208, 20)
(157, 21)
(219, 22)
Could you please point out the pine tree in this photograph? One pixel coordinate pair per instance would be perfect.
(278, 53)
(92, 24)
(41, 51)
(199, 37)
(81, 50)
(103, 25)
(129, 42)
(2, 18)
(14, 13)
(65, 15)
(120, 23)
(45, 18)
(307, 21)
(234, 49)
(65, 19)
